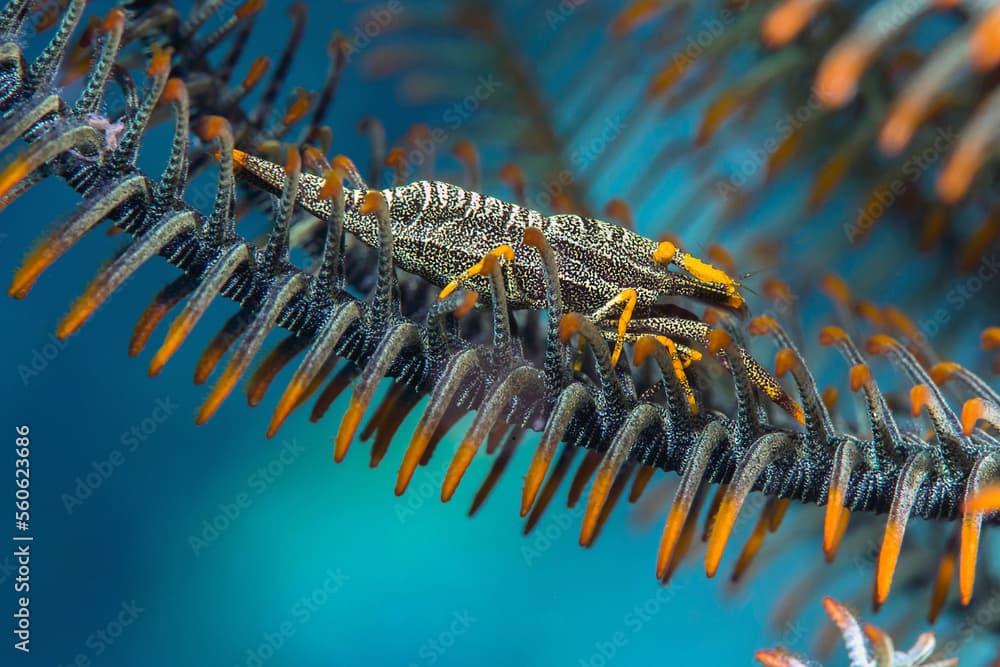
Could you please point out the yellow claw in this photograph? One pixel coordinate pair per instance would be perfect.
(483, 266)
(667, 253)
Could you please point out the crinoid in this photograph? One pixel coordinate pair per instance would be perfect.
(502, 339)
(867, 645)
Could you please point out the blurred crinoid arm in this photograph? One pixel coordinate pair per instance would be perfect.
(867, 645)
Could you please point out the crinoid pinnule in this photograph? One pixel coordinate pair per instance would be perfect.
(867, 645)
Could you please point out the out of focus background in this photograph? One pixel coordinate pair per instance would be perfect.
(158, 542)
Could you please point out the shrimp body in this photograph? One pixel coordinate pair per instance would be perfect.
(440, 230)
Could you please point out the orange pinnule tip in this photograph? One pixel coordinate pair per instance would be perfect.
(835, 288)
(668, 75)
(718, 340)
(860, 375)
(396, 158)
(898, 319)
(418, 445)
(313, 157)
(293, 393)
(644, 347)
(619, 209)
(465, 150)
(830, 396)
(159, 63)
(990, 338)
(968, 554)
(784, 361)
(834, 504)
(173, 90)
(972, 411)
(12, 175)
(869, 311)
(332, 184)
(720, 255)
(984, 45)
(348, 427)
(176, 334)
(714, 316)
(671, 533)
(762, 325)
(219, 393)
(831, 335)
(34, 264)
(875, 634)
(533, 480)
(298, 108)
(721, 529)
(344, 163)
(418, 131)
(374, 201)
(986, 499)
(941, 372)
(338, 45)
(957, 173)
(78, 314)
(888, 556)
(249, 8)
(880, 344)
(634, 16)
(783, 23)
(569, 326)
(900, 124)
(772, 657)
(837, 78)
(293, 159)
(115, 20)
(920, 396)
(534, 237)
(595, 503)
(488, 263)
(777, 290)
(716, 113)
(512, 174)
(664, 253)
(836, 611)
(258, 68)
(210, 128)
(467, 305)
(459, 464)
